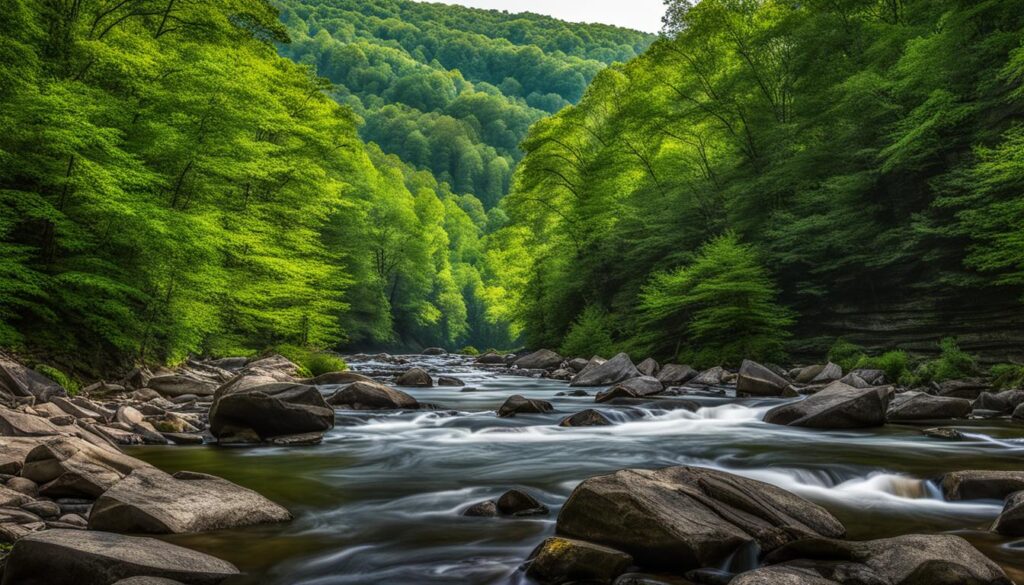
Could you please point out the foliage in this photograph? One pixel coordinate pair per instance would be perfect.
(469, 350)
(895, 364)
(325, 363)
(65, 381)
(589, 335)
(953, 363)
(719, 309)
(846, 354)
(1007, 376)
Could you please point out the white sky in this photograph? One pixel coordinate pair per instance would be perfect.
(642, 15)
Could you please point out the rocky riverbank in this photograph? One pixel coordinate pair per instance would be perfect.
(70, 493)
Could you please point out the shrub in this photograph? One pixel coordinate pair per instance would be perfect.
(588, 335)
(469, 350)
(846, 354)
(951, 364)
(324, 363)
(66, 382)
(895, 364)
(1007, 376)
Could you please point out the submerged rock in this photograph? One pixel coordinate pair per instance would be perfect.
(519, 503)
(681, 518)
(372, 396)
(947, 433)
(613, 371)
(836, 407)
(520, 405)
(434, 351)
(585, 418)
(564, 560)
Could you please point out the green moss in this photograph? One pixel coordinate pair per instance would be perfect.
(66, 381)
(469, 350)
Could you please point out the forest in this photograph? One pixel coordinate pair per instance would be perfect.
(773, 175)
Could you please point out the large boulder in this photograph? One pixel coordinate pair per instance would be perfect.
(643, 386)
(830, 372)
(675, 374)
(712, 377)
(915, 406)
(913, 559)
(613, 371)
(970, 389)
(491, 359)
(76, 557)
(681, 518)
(1011, 520)
(784, 575)
(372, 396)
(73, 468)
(648, 367)
(18, 381)
(274, 362)
(981, 485)
(563, 560)
(1004, 402)
(585, 418)
(757, 380)
(517, 404)
(415, 378)
(838, 406)
(271, 410)
(173, 385)
(543, 359)
(152, 502)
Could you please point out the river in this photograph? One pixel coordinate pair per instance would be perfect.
(379, 501)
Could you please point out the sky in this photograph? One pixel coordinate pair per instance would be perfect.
(642, 15)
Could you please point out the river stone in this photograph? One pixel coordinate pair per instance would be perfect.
(415, 378)
(613, 371)
(675, 374)
(713, 377)
(152, 502)
(618, 391)
(1011, 520)
(680, 518)
(450, 381)
(543, 359)
(969, 389)
(913, 559)
(564, 560)
(785, 575)
(71, 467)
(148, 581)
(10, 498)
(981, 485)
(485, 509)
(271, 410)
(643, 386)
(873, 377)
(17, 380)
(337, 378)
(18, 424)
(275, 362)
(648, 367)
(577, 364)
(372, 396)
(179, 384)
(434, 351)
(836, 407)
(1004, 402)
(947, 433)
(911, 406)
(23, 485)
(491, 359)
(585, 418)
(829, 373)
(520, 405)
(42, 508)
(757, 380)
(854, 380)
(75, 557)
(520, 503)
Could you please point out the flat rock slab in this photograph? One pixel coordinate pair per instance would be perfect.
(613, 371)
(836, 407)
(150, 501)
(75, 557)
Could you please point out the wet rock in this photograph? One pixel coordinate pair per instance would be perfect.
(486, 509)
(757, 380)
(649, 579)
(561, 374)
(435, 351)
(415, 378)
(969, 389)
(854, 380)
(643, 386)
(178, 384)
(18, 381)
(783, 575)
(943, 433)
(577, 364)
(713, 377)
(337, 378)
(520, 405)
(450, 381)
(150, 501)
(1018, 413)
(585, 418)
(836, 407)
(10, 498)
(42, 508)
(1003, 402)
(543, 359)
(981, 485)
(520, 503)
(300, 440)
(648, 367)
(675, 374)
(681, 518)
(618, 391)
(491, 359)
(830, 372)
(564, 560)
(873, 377)
(914, 559)
(271, 410)
(74, 557)
(806, 374)
(372, 396)
(913, 406)
(613, 371)
(70, 467)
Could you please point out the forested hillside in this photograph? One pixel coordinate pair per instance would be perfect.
(169, 185)
(848, 168)
(451, 89)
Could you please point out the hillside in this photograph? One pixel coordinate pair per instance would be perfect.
(449, 89)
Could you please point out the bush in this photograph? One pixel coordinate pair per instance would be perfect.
(469, 350)
(324, 363)
(895, 364)
(588, 335)
(846, 354)
(952, 363)
(66, 382)
(1007, 376)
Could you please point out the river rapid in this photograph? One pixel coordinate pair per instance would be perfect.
(380, 500)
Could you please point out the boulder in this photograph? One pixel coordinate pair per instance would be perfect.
(1011, 520)
(372, 396)
(18, 381)
(152, 502)
(564, 560)
(543, 359)
(179, 384)
(71, 467)
(830, 372)
(274, 362)
(643, 386)
(434, 351)
(450, 381)
(854, 380)
(757, 380)
(981, 485)
(806, 374)
(914, 406)
(784, 575)
(148, 581)
(613, 371)
(675, 374)
(337, 378)
(577, 364)
(23, 485)
(18, 424)
(75, 557)
(969, 389)
(1004, 402)
(680, 518)
(491, 359)
(13, 451)
(12, 499)
(485, 509)
(913, 559)
(415, 378)
(271, 410)
(648, 367)
(520, 503)
(713, 377)
(520, 405)
(585, 418)
(836, 407)
(873, 377)
(618, 391)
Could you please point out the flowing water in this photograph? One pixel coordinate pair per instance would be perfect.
(380, 500)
